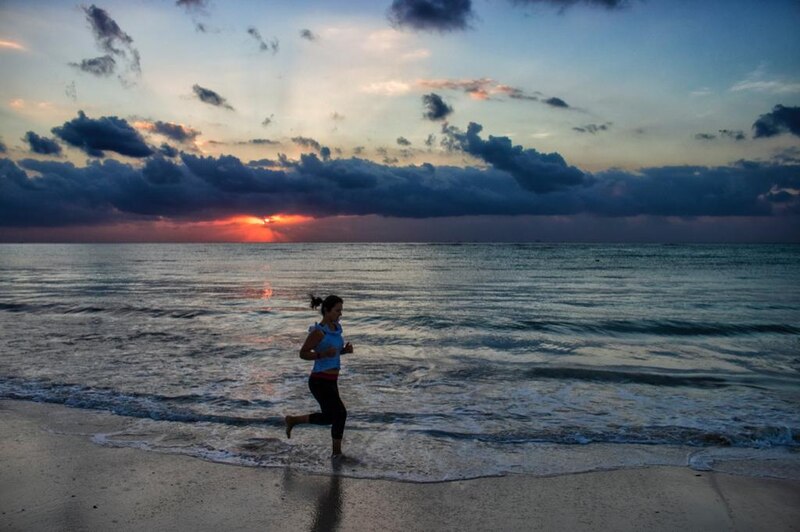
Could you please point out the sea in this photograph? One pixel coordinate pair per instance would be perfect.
(470, 359)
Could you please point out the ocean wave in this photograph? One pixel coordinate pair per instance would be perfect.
(749, 437)
(603, 327)
(133, 404)
(522, 372)
(66, 308)
(185, 409)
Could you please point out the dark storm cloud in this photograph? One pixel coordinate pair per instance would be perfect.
(266, 163)
(111, 39)
(308, 35)
(160, 171)
(3, 148)
(176, 132)
(210, 97)
(306, 142)
(168, 150)
(431, 15)
(515, 181)
(782, 119)
(107, 133)
(273, 45)
(402, 141)
(593, 128)
(99, 66)
(207, 187)
(435, 107)
(42, 145)
(556, 102)
(534, 171)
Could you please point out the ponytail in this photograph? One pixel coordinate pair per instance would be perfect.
(327, 303)
(315, 301)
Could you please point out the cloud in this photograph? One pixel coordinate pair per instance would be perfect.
(266, 163)
(203, 188)
(387, 88)
(192, 4)
(260, 142)
(306, 142)
(210, 97)
(430, 140)
(308, 35)
(534, 171)
(176, 132)
(267, 121)
(435, 107)
(71, 91)
(99, 66)
(273, 45)
(487, 89)
(168, 150)
(42, 145)
(781, 120)
(556, 102)
(478, 89)
(593, 128)
(790, 155)
(110, 38)
(107, 133)
(705, 136)
(336, 117)
(402, 141)
(564, 4)
(12, 45)
(756, 81)
(732, 134)
(3, 148)
(431, 15)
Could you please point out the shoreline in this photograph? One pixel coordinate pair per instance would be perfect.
(53, 477)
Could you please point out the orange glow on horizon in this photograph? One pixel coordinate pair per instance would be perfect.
(244, 228)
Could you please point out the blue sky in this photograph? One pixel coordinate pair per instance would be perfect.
(639, 101)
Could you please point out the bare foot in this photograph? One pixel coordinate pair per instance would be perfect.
(289, 425)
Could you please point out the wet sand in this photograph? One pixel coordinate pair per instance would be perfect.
(52, 477)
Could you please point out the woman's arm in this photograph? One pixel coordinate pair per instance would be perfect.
(309, 352)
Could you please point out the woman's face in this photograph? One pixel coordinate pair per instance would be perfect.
(335, 313)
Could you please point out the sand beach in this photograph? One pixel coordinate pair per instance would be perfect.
(52, 477)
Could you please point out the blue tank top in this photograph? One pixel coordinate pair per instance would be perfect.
(331, 339)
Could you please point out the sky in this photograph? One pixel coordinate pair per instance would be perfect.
(400, 120)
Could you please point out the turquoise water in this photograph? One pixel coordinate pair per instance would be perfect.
(470, 359)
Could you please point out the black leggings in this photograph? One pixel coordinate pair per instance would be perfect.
(333, 411)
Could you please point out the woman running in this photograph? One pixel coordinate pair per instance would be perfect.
(323, 345)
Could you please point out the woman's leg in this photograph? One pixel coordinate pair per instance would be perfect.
(291, 421)
(333, 411)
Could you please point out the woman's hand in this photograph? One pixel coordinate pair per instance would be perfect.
(348, 348)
